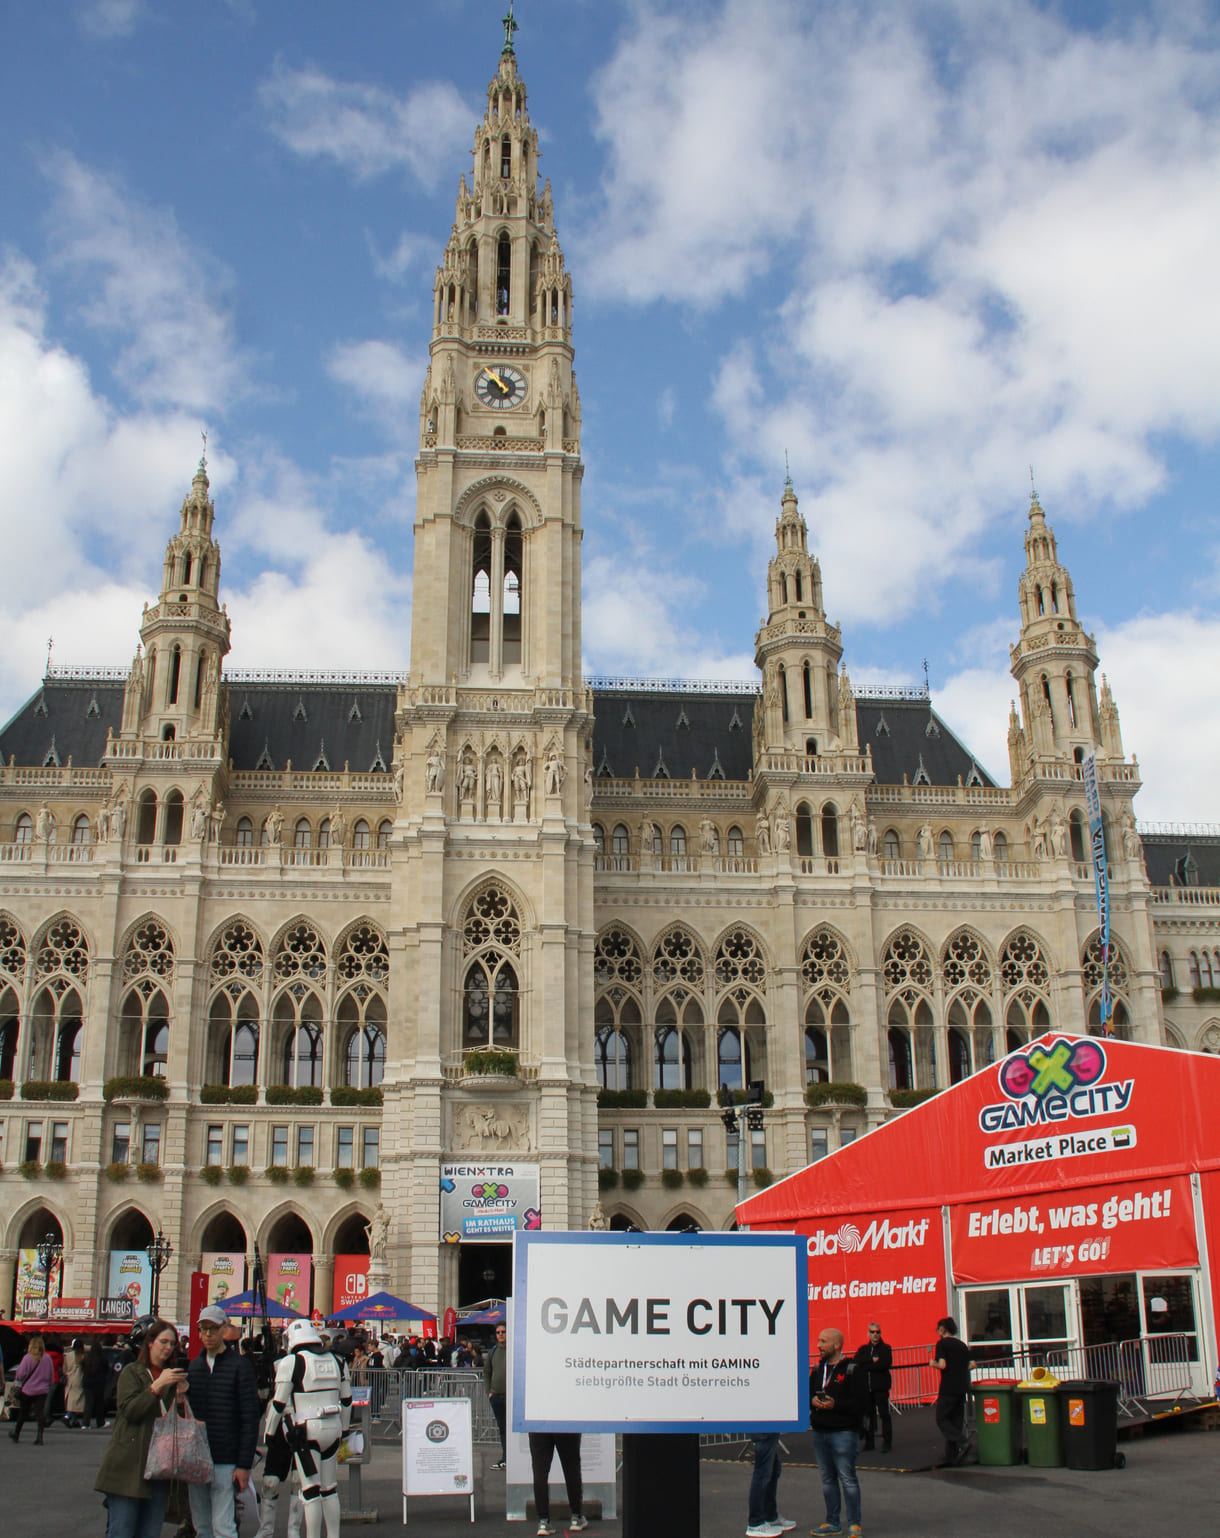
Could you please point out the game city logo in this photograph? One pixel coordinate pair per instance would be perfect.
(1056, 1083)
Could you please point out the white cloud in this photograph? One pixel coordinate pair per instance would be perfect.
(963, 259)
(365, 129)
(384, 379)
(110, 18)
(159, 295)
(408, 251)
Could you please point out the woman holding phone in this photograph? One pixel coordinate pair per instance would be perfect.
(136, 1505)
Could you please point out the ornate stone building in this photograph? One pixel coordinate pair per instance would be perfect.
(275, 948)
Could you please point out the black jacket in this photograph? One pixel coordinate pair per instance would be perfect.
(226, 1400)
(876, 1359)
(847, 1385)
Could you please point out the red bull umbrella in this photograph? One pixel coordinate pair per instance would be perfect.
(381, 1305)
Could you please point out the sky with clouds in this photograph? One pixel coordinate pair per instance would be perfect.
(915, 247)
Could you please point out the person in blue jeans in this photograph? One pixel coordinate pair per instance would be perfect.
(838, 1403)
(764, 1518)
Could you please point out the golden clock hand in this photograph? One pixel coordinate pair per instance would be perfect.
(491, 374)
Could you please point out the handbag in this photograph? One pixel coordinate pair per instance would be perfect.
(179, 1449)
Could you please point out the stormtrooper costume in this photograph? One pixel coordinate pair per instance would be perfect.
(313, 1401)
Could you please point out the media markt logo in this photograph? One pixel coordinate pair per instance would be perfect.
(880, 1234)
(1056, 1083)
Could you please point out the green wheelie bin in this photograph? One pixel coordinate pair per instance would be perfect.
(997, 1417)
(1040, 1415)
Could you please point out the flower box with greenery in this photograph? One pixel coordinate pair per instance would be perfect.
(622, 1099)
(237, 1174)
(303, 1175)
(763, 1177)
(135, 1086)
(904, 1099)
(55, 1169)
(49, 1089)
(30, 1169)
(681, 1099)
(1168, 995)
(285, 1094)
(211, 1174)
(607, 1180)
(730, 1177)
(1205, 995)
(370, 1177)
(490, 1062)
(278, 1174)
(633, 1180)
(347, 1095)
(671, 1179)
(118, 1172)
(345, 1178)
(726, 1096)
(836, 1092)
(150, 1174)
(6, 1089)
(697, 1177)
(228, 1094)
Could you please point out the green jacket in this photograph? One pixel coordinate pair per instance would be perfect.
(122, 1468)
(495, 1370)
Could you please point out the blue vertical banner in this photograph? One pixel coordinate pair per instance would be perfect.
(1092, 803)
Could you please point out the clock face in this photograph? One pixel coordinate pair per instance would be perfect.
(500, 386)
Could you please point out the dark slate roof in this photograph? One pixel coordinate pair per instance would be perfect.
(639, 729)
(902, 732)
(67, 717)
(1182, 861)
(348, 723)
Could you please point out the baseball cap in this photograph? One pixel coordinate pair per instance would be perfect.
(212, 1314)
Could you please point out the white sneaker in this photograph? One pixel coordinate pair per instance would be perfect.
(545, 1530)
(578, 1523)
(785, 1524)
(764, 1530)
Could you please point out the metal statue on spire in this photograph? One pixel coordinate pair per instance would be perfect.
(203, 457)
(510, 26)
(787, 473)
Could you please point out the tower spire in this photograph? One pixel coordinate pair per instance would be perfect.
(510, 26)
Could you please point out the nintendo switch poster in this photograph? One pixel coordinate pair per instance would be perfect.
(351, 1281)
(131, 1278)
(226, 1274)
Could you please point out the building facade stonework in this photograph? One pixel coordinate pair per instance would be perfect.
(275, 947)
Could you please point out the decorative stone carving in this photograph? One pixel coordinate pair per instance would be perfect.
(781, 828)
(493, 785)
(762, 832)
(493, 1126)
(378, 1230)
(434, 770)
(598, 1223)
(859, 832)
(555, 772)
(923, 843)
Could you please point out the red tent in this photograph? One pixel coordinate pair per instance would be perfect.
(1066, 1197)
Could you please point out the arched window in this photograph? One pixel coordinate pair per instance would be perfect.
(302, 834)
(514, 553)
(732, 1059)
(360, 834)
(9, 1024)
(506, 158)
(23, 829)
(361, 1015)
(504, 274)
(244, 836)
(1025, 978)
(619, 841)
(146, 817)
(1205, 970)
(613, 1056)
(144, 1030)
(1000, 848)
(56, 1020)
(491, 937)
(830, 830)
(959, 1056)
(82, 832)
(175, 674)
(1192, 968)
(945, 847)
(807, 672)
(1166, 970)
(384, 829)
(297, 1022)
(677, 841)
(672, 1065)
(599, 838)
(891, 848)
(976, 846)
(736, 844)
(804, 828)
(174, 809)
(1076, 835)
(1071, 698)
(480, 602)
(324, 833)
(899, 1041)
(782, 677)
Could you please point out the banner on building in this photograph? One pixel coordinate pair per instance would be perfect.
(131, 1278)
(289, 1280)
(351, 1281)
(489, 1202)
(33, 1287)
(226, 1274)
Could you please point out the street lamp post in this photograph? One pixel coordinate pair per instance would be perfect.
(159, 1252)
(749, 1118)
(48, 1249)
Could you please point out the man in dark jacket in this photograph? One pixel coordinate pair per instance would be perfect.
(877, 1360)
(495, 1381)
(838, 1400)
(223, 1395)
(952, 1357)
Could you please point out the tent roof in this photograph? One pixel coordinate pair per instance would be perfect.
(935, 1152)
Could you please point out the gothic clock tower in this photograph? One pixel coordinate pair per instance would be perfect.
(493, 892)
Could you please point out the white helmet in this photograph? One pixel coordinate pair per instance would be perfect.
(301, 1332)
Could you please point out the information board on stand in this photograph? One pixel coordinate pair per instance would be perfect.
(437, 1450)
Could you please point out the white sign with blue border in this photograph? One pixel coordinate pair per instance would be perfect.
(660, 1332)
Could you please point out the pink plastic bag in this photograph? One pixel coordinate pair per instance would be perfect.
(179, 1449)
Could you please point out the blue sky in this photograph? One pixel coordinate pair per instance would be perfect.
(918, 247)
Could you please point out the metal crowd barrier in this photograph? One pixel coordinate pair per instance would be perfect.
(390, 1388)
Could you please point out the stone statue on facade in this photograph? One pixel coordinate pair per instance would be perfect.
(216, 820)
(44, 826)
(400, 780)
(986, 843)
(338, 827)
(211, 688)
(781, 829)
(598, 1223)
(434, 771)
(275, 826)
(859, 832)
(762, 833)
(871, 838)
(923, 842)
(118, 815)
(467, 778)
(1059, 834)
(648, 834)
(555, 773)
(1133, 847)
(102, 826)
(493, 784)
(709, 837)
(199, 817)
(378, 1230)
(523, 780)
